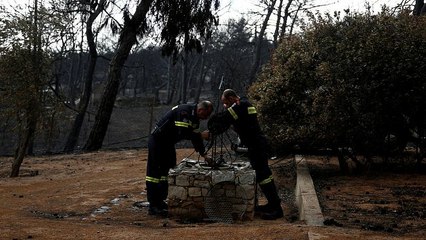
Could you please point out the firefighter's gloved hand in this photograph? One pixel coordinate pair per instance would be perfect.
(205, 135)
(209, 161)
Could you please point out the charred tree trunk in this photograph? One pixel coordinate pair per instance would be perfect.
(126, 41)
(294, 19)
(184, 85)
(184, 78)
(285, 19)
(419, 8)
(172, 80)
(32, 111)
(277, 27)
(85, 98)
(201, 77)
(259, 42)
(200, 80)
(25, 139)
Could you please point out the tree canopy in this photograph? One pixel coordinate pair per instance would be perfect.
(355, 82)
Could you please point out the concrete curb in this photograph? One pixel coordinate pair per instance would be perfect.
(306, 197)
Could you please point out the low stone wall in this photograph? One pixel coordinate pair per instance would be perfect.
(306, 197)
(199, 192)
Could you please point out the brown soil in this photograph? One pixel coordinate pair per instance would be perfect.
(99, 195)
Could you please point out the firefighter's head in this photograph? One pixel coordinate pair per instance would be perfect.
(229, 97)
(204, 109)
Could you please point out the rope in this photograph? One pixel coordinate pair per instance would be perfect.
(131, 140)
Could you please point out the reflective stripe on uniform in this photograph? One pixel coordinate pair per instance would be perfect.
(151, 179)
(232, 112)
(182, 124)
(251, 110)
(266, 181)
(155, 180)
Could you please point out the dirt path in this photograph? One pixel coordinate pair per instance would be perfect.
(93, 196)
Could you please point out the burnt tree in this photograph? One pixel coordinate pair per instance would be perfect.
(132, 27)
(169, 15)
(85, 98)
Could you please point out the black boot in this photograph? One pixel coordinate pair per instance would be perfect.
(155, 195)
(262, 208)
(157, 211)
(164, 190)
(272, 210)
(272, 214)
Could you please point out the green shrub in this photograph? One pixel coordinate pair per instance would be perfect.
(352, 83)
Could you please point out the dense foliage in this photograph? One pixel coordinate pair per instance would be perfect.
(356, 82)
(184, 22)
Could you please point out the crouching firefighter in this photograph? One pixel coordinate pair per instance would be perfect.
(242, 115)
(181, 122)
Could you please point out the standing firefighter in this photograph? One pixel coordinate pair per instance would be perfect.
(242, 115)
(181, 122)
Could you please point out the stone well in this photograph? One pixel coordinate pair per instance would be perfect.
(224, 194)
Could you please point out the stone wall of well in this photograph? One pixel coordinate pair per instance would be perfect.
(197, 191)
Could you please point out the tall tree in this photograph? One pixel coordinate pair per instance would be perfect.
(285, 20)
(419, 8)
(32, 33)
(132, 27)
(276, 32)
(175, 25)
(233, 55)
(202, 72)
(258, 47)
(24, 85)
(184, 84)
(95, 9)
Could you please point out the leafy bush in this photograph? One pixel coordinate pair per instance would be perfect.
(355, 83)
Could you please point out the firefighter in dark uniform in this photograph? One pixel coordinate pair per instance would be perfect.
(181, 122)
(242, 115)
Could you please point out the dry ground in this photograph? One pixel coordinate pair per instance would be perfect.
(93, 196)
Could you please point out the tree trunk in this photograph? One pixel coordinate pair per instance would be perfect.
(24, 141)
(171, 85)
(184, 84)
(32, 111)
(419, 8)
(126, 41)
(200, 80)
(85, 98)
(202, 75)
(139, 82)
(277, 27)
(259, 42)
(169, 81)
(294, 19)
(184, 78)
(285, 19)
(194, 65)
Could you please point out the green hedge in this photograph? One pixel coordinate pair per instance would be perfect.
(358, 82)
